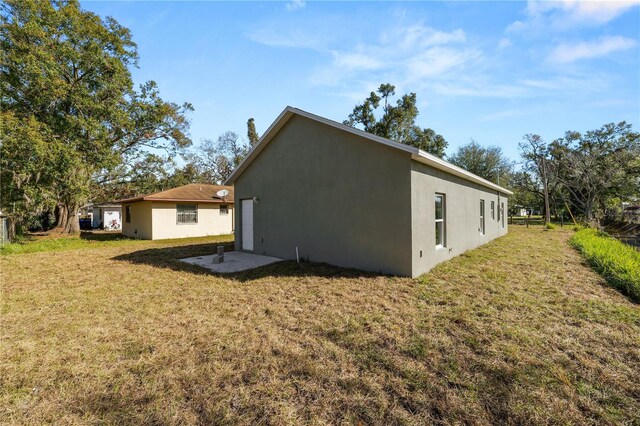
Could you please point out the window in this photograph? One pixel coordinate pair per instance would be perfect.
(127, 214)
(482, 216)
(187, 213)
(224, 210)
(493, 210)
(440, 221)
(502, 213)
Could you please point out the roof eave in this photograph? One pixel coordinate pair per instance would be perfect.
(416, 153)
(440, 164)
(175, 200)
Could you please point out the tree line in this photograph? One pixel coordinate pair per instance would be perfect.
(585, 174)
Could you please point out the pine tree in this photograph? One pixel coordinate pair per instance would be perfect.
(251, 132)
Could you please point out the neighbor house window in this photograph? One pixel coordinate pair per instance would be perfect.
(224, 209)
(187, 213)
(440, 221)
(127, 214)
(482, 216)
(493, 210)
(502, 214)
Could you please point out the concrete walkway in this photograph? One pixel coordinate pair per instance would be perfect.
(234, 261)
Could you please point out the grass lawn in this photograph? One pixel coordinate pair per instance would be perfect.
(520, 331)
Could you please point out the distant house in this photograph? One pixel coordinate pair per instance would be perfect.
(316, 189)
(631, 213)
(193, 210)
(106, 216)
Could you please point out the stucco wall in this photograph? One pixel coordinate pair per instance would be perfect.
(140, 226)
(210, 221)
(462, 212)
(337, 197)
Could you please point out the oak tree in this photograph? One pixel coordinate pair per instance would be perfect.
(65, 74)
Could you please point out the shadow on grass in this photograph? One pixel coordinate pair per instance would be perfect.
(103, 236)
(169, 257)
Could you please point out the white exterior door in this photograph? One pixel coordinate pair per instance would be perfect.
(247, 224)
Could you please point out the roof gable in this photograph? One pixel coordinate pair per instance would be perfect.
(416, 154)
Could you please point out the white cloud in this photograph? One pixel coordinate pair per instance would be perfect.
(406, 55)
(543, 15)
(566, 53)
(504, 43)
(298, 39)
(295, 5)
(501, 115)
(416, 58)
(357, 61)
(579, 11)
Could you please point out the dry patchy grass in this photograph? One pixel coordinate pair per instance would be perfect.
(518, 331)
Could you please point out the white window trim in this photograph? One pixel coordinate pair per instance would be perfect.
(443, 220)
(482, 214)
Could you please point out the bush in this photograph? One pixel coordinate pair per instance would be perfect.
(549, 225)
(617, 262)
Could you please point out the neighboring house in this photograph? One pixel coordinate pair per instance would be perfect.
(193, 210)
(631, 213)
(4, 229)
(319, 190)
(106, 216)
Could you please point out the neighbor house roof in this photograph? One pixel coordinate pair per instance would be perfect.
(416, 154)
(103, 205)
(193, 193)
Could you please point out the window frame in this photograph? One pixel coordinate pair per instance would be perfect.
(502, 213)
(442, 220)
(183, 205)
(127, 213)
(493, 210)
(482, 217)
(226, 209)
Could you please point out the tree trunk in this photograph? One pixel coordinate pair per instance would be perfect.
(73, 220)
(588, 214)
(545, 184)
(61, 216)
(11, 229)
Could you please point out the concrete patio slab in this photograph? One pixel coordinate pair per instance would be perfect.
(234, 261)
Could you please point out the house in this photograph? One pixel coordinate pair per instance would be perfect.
(631, 213)
(316, 189)
(106, 216)
(193, 210)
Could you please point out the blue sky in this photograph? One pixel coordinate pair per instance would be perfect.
(492, 71)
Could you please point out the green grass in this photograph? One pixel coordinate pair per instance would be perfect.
(617, 262)
(88, 240)
(519, 331)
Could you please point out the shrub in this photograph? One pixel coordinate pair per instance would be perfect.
(549, 225)
(617, 262)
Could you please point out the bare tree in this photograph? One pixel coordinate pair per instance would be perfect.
(216, 159)
(535, 152)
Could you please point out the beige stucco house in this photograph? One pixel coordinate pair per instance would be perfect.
(315, 189)
(194, 210)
